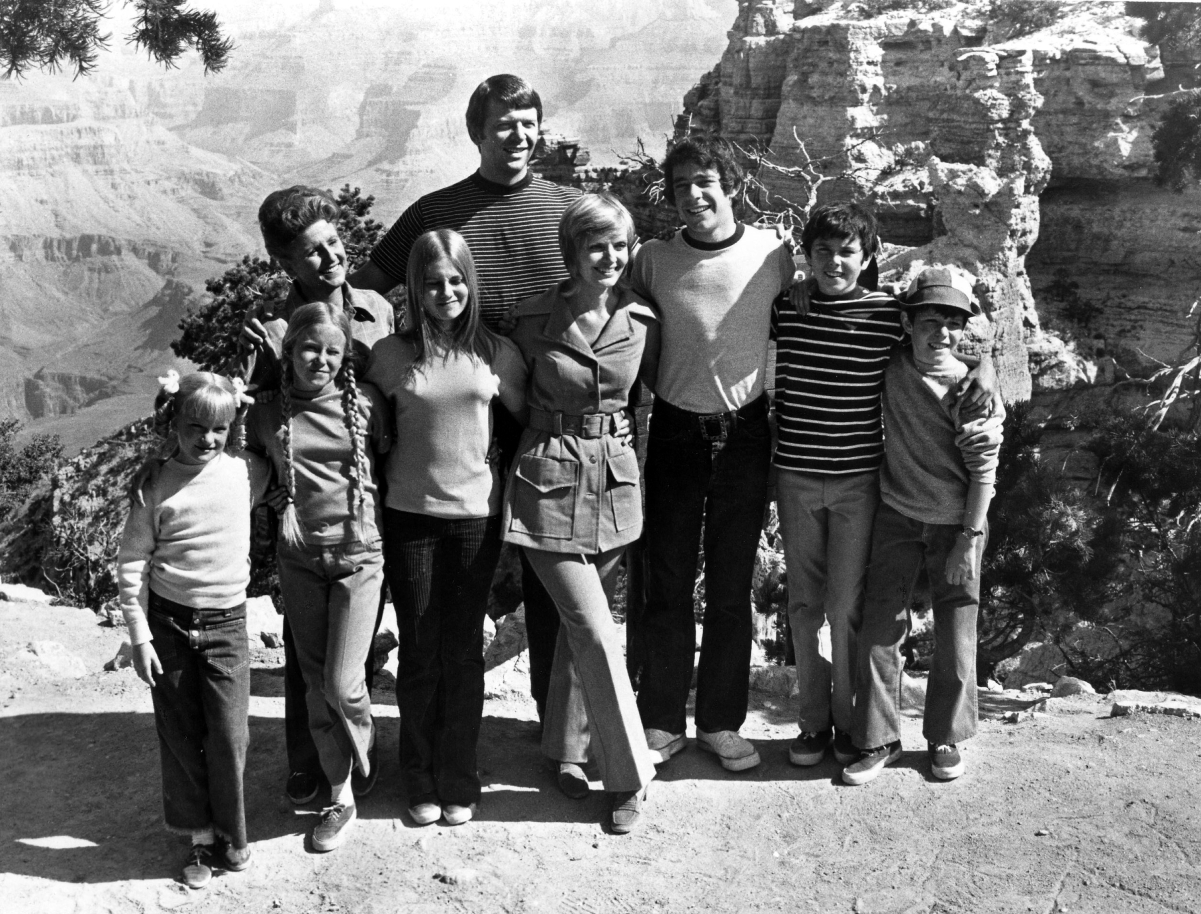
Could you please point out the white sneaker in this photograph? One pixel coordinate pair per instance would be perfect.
(664, 745)
(736, 753)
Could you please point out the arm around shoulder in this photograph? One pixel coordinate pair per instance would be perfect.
(370, 276)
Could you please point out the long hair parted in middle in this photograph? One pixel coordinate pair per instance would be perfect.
(305, 319)
(467, 334)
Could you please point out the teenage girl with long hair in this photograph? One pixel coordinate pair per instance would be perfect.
(329, 554)
(442, 517)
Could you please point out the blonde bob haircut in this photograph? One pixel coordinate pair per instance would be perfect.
(590, 216)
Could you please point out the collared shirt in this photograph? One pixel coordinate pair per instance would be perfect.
(371, 320)
(569, 493)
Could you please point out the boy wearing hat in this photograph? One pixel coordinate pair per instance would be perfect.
(935, 487)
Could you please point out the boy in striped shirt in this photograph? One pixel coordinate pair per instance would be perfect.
(830, 365)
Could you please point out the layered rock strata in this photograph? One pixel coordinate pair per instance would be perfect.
(1025, 158)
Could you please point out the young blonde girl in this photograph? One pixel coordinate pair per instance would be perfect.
(183, 568)
(330, 562)
(442, 520)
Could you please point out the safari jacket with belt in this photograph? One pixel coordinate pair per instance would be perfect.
(574, 486)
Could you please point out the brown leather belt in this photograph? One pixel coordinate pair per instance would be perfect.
(595, 425)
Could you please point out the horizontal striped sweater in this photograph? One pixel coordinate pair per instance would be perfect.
(829, 373)
(513, 234)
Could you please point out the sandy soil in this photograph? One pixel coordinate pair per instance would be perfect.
(1068, 812)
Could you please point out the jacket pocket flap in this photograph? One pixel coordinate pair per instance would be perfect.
(623, 467)
(546, 475)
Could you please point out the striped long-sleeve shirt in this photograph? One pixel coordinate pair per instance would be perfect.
(512, 233)
(829, 374)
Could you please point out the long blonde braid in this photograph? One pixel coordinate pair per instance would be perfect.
(289, 521)
(360, 469)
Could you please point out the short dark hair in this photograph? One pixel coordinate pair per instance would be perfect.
(708, 152)
(285, 214)
(841, 220)
(504, 89)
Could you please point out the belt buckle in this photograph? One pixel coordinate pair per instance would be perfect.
(713, 428)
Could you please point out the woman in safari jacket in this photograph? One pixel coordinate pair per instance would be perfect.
(573, 499)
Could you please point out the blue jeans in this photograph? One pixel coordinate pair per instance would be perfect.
(440, 571)
(705, 473)
(900, 545)
(201, 708)
(331, 598)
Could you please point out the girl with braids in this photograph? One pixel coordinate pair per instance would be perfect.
(330, 562)
(183, 568)
(442, 517)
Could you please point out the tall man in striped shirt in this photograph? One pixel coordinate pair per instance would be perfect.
(510, 219)
(830, 365)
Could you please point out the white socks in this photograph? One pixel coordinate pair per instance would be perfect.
(204, 836)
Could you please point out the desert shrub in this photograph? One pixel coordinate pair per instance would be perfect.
(209, 334)
(1174, 24)
(1176, 142)
(22, 468)
(1017, 18)
(869, 9)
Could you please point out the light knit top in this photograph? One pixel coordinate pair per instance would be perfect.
(190, 541)
(443, 418)
(929, 456)
(714, 303)
(323, 460)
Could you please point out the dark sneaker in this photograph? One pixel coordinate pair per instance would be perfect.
(331, 831)
(234, 859)
(844, 749)
(809, 748)
(572, 780)
(362, 784)
(425, 812)
(735, 753)
(453, 814)
(625, 808)
(871, 763)
(302, 787)
(197, 869)
(946, 763)
(664, 745)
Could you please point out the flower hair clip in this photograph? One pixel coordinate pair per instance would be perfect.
(243, 398)
(170, 383)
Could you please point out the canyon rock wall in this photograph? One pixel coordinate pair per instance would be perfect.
(1017, 146)
(124, 191)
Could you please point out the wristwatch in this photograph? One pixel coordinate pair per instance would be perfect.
(971, 532)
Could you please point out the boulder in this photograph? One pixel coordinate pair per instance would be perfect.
(122, 660)
(383, 645)
(52, 658)
(1070, 685)
(21, 593)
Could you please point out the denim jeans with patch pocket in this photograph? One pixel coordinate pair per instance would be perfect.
(201, 708)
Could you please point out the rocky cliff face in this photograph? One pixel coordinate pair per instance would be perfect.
(1017, 146)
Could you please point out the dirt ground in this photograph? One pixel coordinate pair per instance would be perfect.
(1067, 812)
